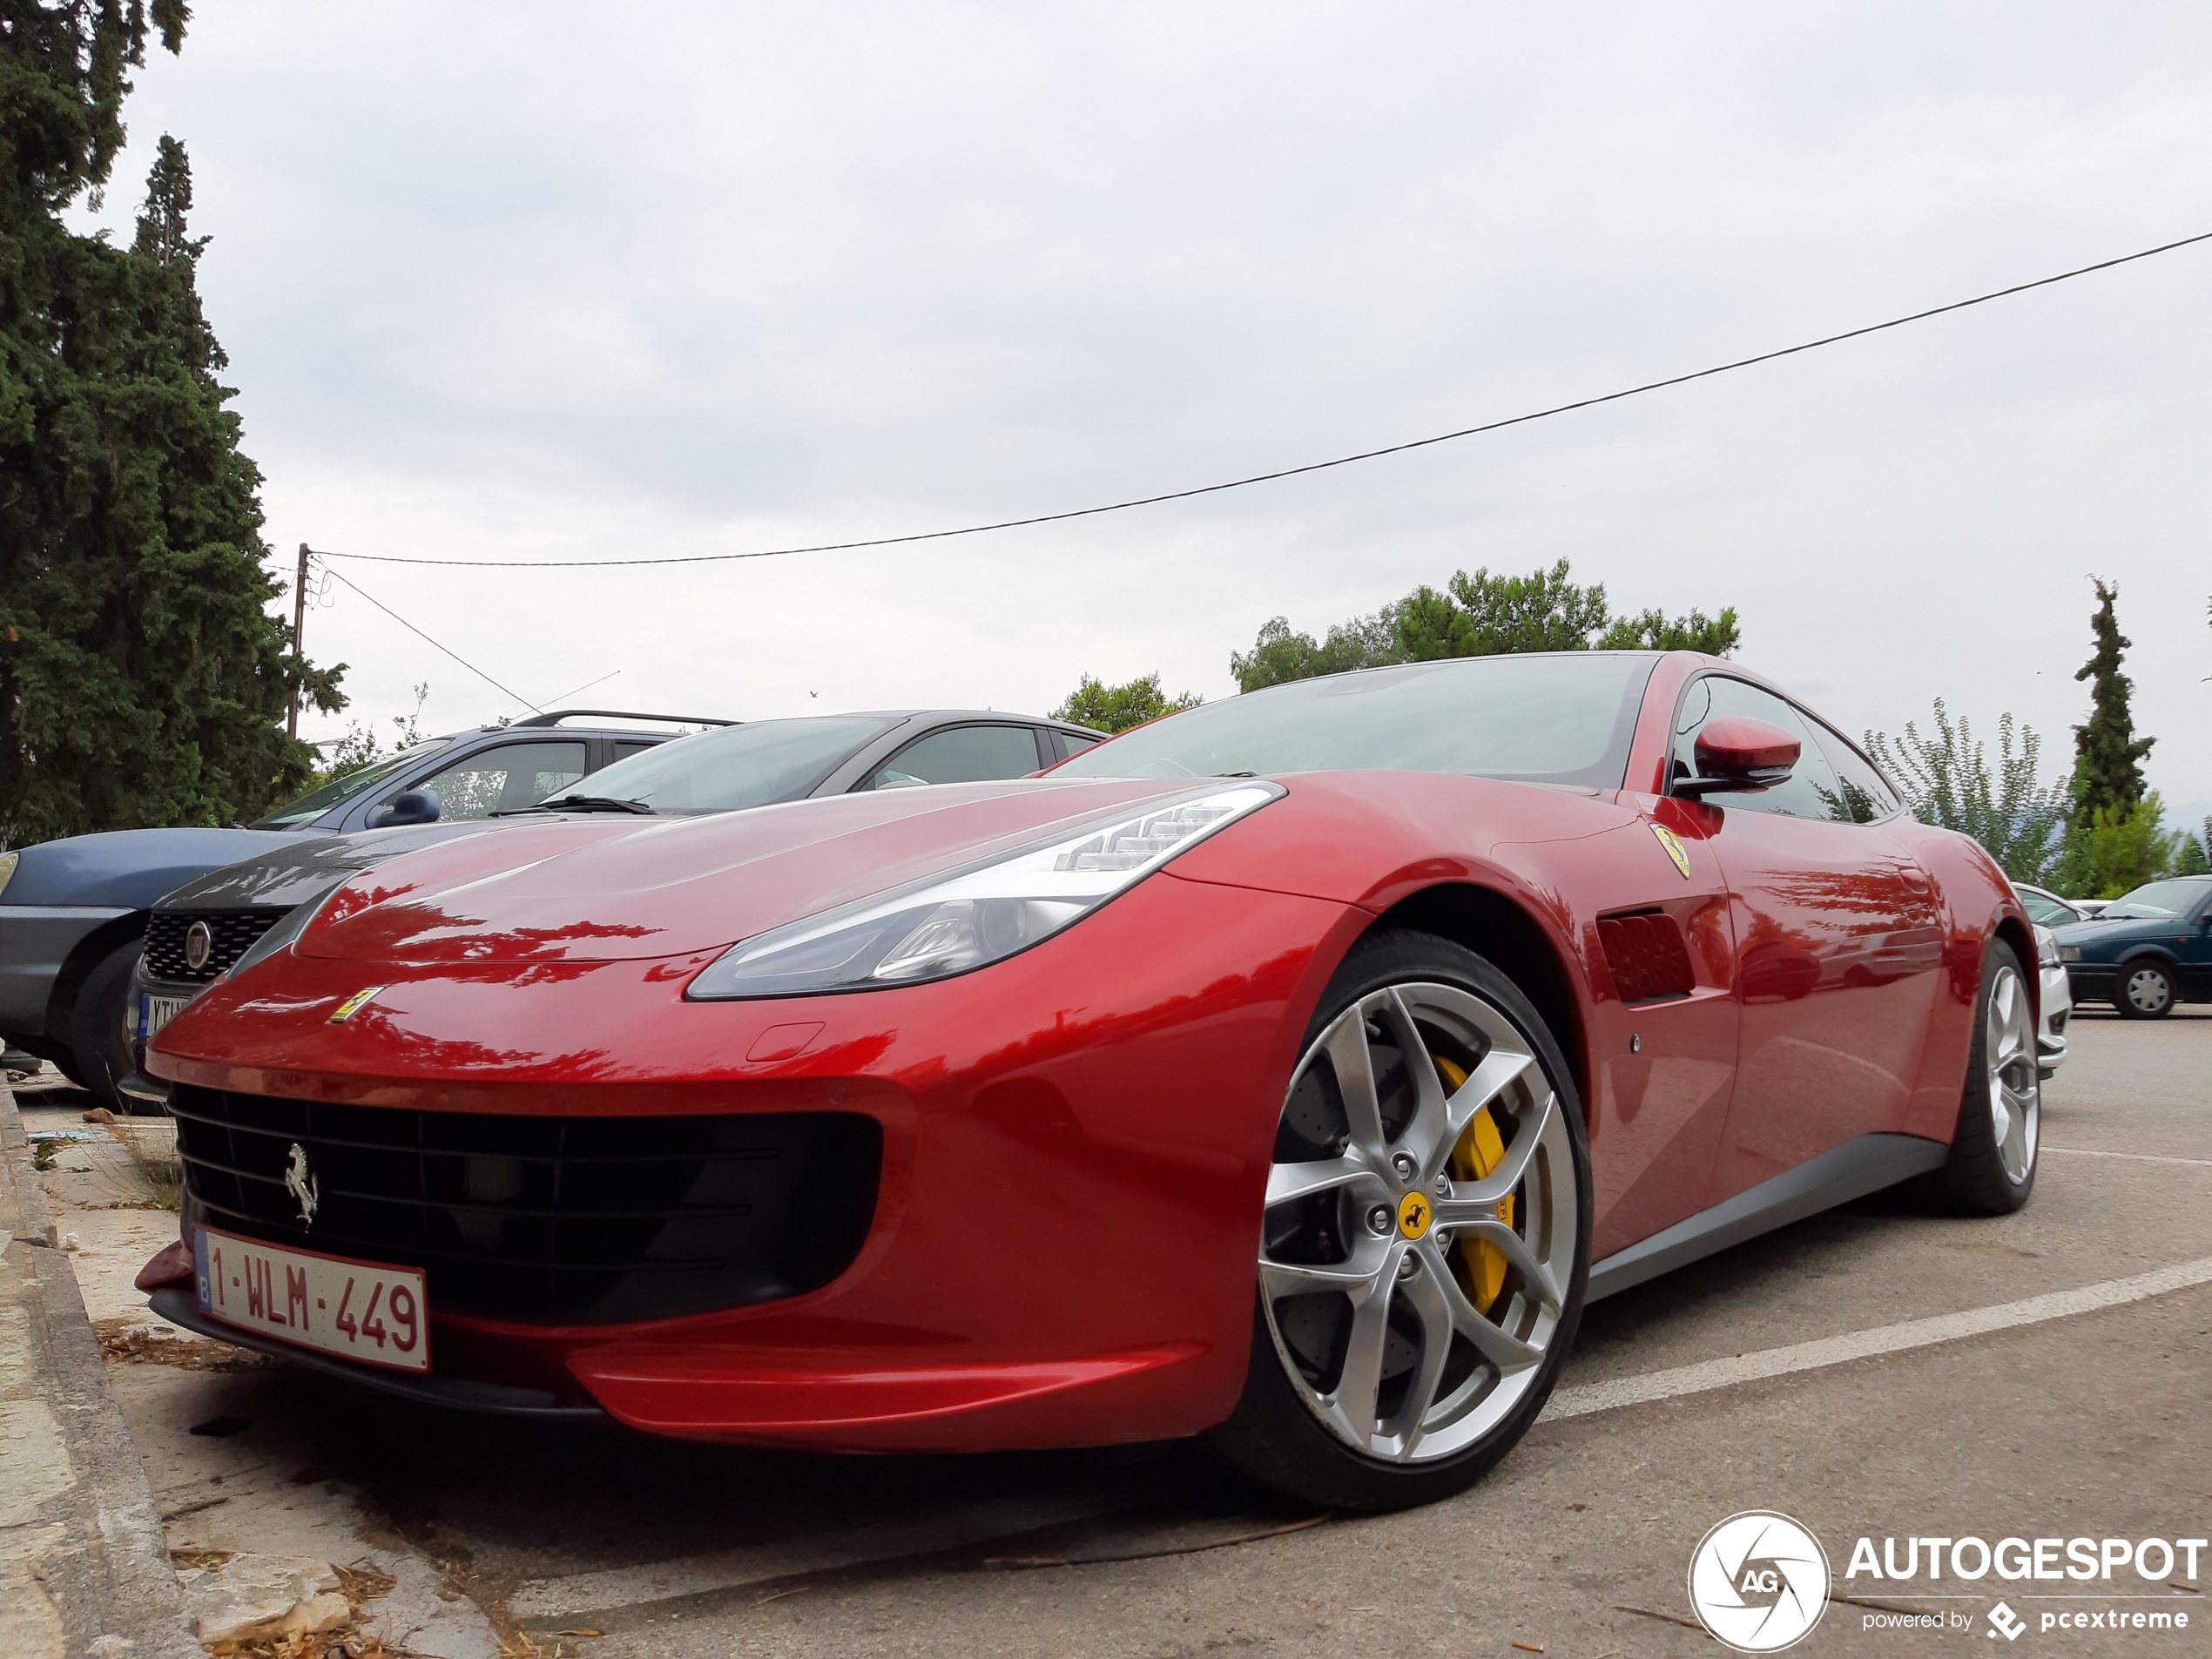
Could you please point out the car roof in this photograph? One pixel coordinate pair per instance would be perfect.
(984, 716)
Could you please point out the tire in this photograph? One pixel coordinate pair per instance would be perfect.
(1323, 1417)
(100, 1030)
(1991, 1168)
(2145, 990)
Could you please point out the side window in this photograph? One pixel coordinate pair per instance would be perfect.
(963, 754)
(624, 750)
(1070, 744)
(505, 778)
(1863, 795)
(1812, 791)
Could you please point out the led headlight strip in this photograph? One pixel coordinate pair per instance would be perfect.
(966, 918)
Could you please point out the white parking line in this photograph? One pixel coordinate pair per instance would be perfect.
(729, 1569)
(1864, 1345)
(2133, 1158)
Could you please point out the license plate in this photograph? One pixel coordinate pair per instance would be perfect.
(154, 1012)
(361, 1310)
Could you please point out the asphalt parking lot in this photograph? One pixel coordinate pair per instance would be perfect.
(1821, 1371)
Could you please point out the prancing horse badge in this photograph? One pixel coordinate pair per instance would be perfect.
(1674, 848)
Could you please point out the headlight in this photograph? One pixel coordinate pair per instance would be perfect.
(8, 862)
(2047, 947)
(966, 918)
(2069, 953)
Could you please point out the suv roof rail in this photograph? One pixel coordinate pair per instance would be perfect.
(554, 716)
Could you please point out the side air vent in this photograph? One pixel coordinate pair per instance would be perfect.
(1647, 955)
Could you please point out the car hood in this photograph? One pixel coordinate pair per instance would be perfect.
(571, 890)
(131, 869)
(2098, 929)
(306, 867)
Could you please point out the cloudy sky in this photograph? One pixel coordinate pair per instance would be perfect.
(559, 281)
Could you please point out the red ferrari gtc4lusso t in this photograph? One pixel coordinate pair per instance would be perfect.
(1290, 1071)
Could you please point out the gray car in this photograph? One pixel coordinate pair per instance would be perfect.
(211, 924)
(73, 912)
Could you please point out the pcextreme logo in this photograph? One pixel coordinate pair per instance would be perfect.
(1758, 1581)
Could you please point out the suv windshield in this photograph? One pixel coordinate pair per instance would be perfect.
(2159, 899)
(316, 802)
(1563, 718)
(734, 767)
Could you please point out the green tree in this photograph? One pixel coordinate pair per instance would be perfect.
(1116, 708)
(2195, 856)
(2117, 849)
(1477, 615)
(2107, 755)
(1946, 780)
(142, 680)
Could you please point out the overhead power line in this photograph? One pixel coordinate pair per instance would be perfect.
(1292, 472)
(412, 628)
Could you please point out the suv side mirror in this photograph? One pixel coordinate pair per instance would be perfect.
(408, 806)
(1735, 752)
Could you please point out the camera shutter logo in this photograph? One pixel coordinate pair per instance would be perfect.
(199, 945)
(1758, 1581)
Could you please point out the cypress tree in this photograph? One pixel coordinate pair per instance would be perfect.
(2107, 755)
(142, 680)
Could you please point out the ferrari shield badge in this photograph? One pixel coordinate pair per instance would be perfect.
(1675, 851)
(360, 999)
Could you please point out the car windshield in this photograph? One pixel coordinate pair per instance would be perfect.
(735, 766)
(2048, 911)
(316, 802)
(2159, 899)
(1563, 717)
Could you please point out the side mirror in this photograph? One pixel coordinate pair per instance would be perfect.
(412, 806)
(1738, 754)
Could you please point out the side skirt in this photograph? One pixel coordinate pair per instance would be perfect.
(1850, 1170)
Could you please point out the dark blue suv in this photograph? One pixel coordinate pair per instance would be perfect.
(2145, 952)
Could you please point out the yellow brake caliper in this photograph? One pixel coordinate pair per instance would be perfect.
(1482, 1266)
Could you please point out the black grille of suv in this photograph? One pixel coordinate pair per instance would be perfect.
(231, 934)
(571, 1220)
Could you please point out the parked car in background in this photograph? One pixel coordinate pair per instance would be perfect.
(2045, 909)
(215, 921)
(2056, 1007)
(73, 912)
(2146, 950)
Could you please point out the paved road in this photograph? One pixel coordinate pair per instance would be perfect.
(2072, 1416)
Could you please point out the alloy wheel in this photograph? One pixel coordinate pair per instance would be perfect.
(2015, 1088)
(1421, 1223)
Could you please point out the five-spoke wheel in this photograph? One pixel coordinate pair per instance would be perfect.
(1423, 1240)
(2016, 1088)
(1992, 1167)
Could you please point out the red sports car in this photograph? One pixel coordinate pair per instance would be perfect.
(1290, 1071)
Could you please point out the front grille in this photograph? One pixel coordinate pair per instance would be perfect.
(568, 1220)
(231, 934)
(1647, 955)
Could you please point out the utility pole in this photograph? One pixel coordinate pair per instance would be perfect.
(298, 645)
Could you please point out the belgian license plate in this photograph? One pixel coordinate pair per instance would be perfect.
(154, 1012)
(361, 1310)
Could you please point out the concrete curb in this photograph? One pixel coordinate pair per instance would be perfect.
(84, 1565)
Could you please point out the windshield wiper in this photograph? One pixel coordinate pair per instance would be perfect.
(583, 804)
